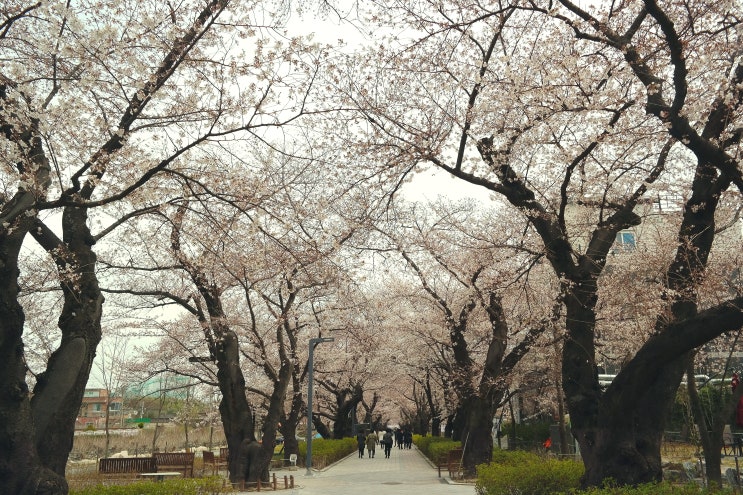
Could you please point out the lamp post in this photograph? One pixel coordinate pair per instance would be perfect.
(313, 344)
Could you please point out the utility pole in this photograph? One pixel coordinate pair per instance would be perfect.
(310, 378)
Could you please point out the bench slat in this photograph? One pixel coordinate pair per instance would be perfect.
(127, 465)
(175, 461)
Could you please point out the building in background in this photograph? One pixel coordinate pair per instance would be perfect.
(94, 406)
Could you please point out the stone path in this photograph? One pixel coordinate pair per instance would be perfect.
(405, 472)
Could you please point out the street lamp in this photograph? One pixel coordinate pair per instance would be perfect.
(313, 344)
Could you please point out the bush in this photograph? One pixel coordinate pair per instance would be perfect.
(435, 448)
(515, 457)
(655, 489)
(192, 486)
(527, 474)
(327, 451)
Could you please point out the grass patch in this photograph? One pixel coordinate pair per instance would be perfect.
(191, 486)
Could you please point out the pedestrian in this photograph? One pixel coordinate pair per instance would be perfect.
(398, 438)
(547, 444)
(408, 438)
(371, 443)
(361, 442)
(387, 443)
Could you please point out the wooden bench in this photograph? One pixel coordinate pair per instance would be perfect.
(216, 463)
(452, 463)
(126, 466)
(175, 461)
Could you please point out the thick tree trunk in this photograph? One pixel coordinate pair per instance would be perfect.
(436, 426)
(322, 428)
(234, 409)
(59, 389)
(21, 470)
(478, 439)
(224, 347)
(347, 400)
(625, 442)
(290, 421)
(271, 421)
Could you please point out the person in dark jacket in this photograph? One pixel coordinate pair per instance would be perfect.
(408, 438)
(398, 438)
(387, 443)
(361, 443)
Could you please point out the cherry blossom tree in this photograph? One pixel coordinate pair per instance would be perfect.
(98, 99)
(70, 105)
(472, 91)
(457, 270)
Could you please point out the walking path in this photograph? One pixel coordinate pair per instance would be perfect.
(406, 472)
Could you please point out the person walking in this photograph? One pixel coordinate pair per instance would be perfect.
(361, 442)
(398, 438)
(408, 438)
(371, 444)
(387, 443)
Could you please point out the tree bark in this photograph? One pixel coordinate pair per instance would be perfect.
(290, 420)
(59, 389)
(712, 458)
(234, 409)
(322, 428)
(347, 400)
(22, 471)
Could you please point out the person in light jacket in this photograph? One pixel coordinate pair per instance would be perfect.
(371, 443)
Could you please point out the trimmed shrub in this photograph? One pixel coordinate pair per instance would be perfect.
(435, 448)
(515, 457)
(528, 474)
(327, 451)
(663, 488)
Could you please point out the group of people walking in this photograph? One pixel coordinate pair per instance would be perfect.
(369, 440)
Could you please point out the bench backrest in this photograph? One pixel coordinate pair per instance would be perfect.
(123, 465)
(224, 453)
(174, 458)
(176, 461)
(455, 455)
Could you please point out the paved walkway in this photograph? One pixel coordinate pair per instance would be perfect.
(406, 472)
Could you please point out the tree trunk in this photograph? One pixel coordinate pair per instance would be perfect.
(224, 348)
(347, 400)
(21, 469)
(322, 428)
(436, 426)
(272, 419)
(290, 421)
(60, 388)
(713, 461)
(478, 438)
(236, 414)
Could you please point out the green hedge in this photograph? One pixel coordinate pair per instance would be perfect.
(664, 488)
(327, 451)
(527, 474)
(192, 486)
(435, 448)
